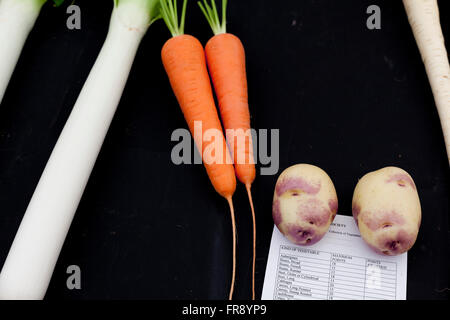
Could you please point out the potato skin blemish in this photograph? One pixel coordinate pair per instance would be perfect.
(276, 214)
(377, 220)
(297, 183)
(333, 205)
(314, 211)
(356, 210)
(302, 236)
(402, 180)
(396, 244)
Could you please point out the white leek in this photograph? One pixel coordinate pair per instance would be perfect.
(30, 263)
(17, 18)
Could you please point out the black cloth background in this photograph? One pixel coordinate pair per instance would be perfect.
(347, 99)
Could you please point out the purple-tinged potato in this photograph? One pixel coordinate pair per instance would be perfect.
(304, 204)
(386, 208)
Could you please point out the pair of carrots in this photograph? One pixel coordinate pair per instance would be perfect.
(186, 63)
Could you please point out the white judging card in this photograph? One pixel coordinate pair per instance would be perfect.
(339, 267)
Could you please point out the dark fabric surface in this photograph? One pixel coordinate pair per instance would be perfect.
(347, 99)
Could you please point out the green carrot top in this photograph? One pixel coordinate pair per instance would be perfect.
(58, 2)
(40, 3)
(169, 13)
(211, 14)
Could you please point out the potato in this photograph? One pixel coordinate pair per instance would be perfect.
(386, 208)
(304, 204)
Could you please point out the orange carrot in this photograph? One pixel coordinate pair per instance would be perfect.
(225, 56)
(183, 57)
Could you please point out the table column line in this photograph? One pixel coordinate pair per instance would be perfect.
(275, 294)
(329, 278)
(365, 279)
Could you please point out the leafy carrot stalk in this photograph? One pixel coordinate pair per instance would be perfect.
(225, 56)
(17, 19)
(423, 16)
(184, 61)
